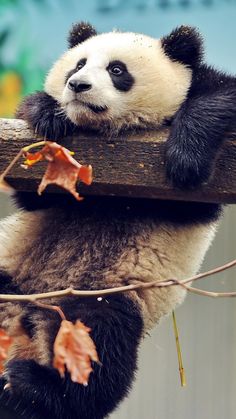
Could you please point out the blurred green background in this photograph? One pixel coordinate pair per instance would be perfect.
(32, 35)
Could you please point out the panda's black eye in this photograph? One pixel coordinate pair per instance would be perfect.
(116, 68)
(81, 63)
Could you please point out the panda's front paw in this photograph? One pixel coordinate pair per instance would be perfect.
(44, 116)
(19, 374)
(31, 387)
(50, 128)
(185, 170)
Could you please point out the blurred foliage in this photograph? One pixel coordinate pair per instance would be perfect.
(10, 92)
(23, 76)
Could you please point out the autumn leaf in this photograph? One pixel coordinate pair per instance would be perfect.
(32, 158)
(63, 170)
(73, 350)
(5, 342)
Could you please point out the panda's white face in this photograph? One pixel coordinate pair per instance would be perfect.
(120, 80)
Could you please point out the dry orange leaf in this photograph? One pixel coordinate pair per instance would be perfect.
(63, 170)
(5, 342)
(73, 350)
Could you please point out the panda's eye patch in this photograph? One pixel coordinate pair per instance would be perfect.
(116, 68)
(121, 78)
(81, 63)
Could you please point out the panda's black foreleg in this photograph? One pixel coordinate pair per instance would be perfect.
(33, 391)
(44, 116)
(116, 328)
(37, 392)
(197, 132)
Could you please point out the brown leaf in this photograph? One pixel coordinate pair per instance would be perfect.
(74, 349)
(63, 170)
(5, 342)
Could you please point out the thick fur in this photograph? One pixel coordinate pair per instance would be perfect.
(90, 245)
(184, 45)
(44, 114)
(79, 33)
(110, 83)
(199, 127)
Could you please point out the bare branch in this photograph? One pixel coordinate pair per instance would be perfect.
(153, 284)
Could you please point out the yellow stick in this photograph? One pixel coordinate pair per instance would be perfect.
(180, 360)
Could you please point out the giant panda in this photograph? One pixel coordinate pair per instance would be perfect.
(111, 83)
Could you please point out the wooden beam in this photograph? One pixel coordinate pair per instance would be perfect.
(131, 166)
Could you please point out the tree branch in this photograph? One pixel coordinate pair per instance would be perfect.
(103, 292)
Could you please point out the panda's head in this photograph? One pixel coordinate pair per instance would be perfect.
(121, 80)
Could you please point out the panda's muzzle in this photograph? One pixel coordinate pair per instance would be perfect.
(78, 87)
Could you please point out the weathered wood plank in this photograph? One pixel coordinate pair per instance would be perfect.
(125, 166)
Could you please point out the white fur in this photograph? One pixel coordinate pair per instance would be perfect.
(160, 251)
(17, 232)
(160, 86)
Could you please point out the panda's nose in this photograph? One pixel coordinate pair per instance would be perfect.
(77, 87)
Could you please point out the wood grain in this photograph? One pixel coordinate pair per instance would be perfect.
(126, 166)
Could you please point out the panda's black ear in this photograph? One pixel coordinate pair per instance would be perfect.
(184, 44)
(80, 32)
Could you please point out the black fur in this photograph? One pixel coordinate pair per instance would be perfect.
(184, 44)
(79, 33)
(178, 212)
(123, 82)
(96, 109)
(44, 116)
(7, 285)
(199, 127)
(69, 74)
(79, 65)
(38, 391)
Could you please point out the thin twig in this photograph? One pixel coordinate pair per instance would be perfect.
(51, 307)
(153, 284)
(206, 293)
(211, 272)
(11, 164)
(18, 156)
(33, 145)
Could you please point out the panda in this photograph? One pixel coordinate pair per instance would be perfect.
(113, 84)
